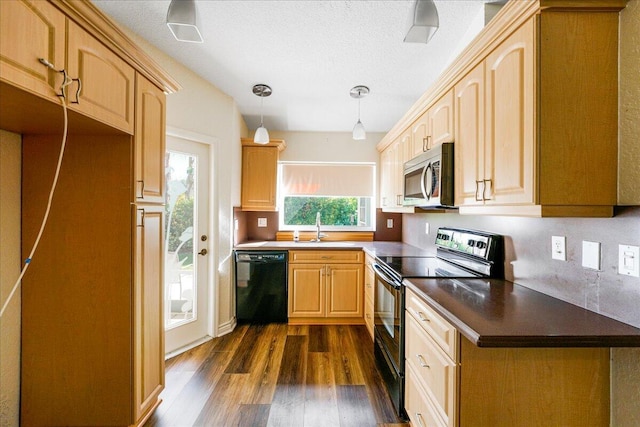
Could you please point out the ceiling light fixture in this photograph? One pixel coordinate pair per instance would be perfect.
(425, 22)
(262, 135)
(181, 20)
(358, 130)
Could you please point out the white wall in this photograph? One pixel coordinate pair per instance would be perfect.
(10, 175)
(327, 146)
(202, 108)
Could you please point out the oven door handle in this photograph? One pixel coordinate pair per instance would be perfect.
(380, 272)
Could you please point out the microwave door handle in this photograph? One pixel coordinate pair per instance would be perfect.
(423, 186)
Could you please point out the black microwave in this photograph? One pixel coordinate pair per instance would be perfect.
(428, 178)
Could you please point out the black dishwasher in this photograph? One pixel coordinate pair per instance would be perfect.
(261, 286)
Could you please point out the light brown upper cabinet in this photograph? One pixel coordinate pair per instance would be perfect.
(535, 112)
(434, 126)
(392, 161)
(260, 175)
(494, 123)
(149, 142)
(104, 85)
(107, 83)
(40, 27)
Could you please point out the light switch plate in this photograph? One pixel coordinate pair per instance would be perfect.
(629, 260)
(591, 255)
(262, 222)
(389, 222)
(559, 248)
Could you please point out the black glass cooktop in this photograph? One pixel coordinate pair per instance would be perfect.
(424, 267)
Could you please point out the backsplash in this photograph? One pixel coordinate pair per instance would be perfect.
(528, 255)
(248, 228)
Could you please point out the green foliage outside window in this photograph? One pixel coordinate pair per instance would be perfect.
(334, 211)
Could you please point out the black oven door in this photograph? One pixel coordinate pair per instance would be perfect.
(389, 317)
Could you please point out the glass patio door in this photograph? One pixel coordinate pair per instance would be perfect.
(187, 244)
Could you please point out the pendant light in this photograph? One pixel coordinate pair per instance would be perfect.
(425, 22)
(181, 20)
(262, 135)
(358, 130)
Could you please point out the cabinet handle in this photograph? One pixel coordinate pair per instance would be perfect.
(477, 188)
(484, 187)
(399, 199)
(77, 101)
(384, 201)
(141, 221)
(141, 196)
(424, 144)
(422, 362)
(419, 418)
(328, 270)
(369, 285)
(422, 317)
(429, 146)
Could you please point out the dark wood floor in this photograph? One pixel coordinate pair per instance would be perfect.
(277, 375)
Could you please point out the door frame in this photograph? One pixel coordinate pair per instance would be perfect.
(212, 282)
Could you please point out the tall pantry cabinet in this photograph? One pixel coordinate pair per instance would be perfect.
(92, 327)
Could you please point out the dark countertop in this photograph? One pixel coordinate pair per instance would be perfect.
(376, 248)
(498, 313)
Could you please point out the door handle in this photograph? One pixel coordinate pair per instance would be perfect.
(203, 252)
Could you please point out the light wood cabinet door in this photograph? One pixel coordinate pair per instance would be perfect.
(148, 360)
(107, 82)
(441, 124)
(306, 290)
(149, 142)
(387, 177)
(509, 169)
(344, 290)
(39, 29)
(420, 132)
(469, 146)
(421, 411)
(259, 178)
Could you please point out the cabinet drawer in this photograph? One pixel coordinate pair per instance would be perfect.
(442, 332)
(368, 314)
(325, 256)
(433, 368)
(420, 410)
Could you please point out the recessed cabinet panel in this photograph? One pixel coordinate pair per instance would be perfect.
(259, 178)
(344, 290)
(150, 143)
(108, 83)
(306, 290)
(149, 323)
(40, 28)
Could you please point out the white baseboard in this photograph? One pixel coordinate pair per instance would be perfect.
(187, 347)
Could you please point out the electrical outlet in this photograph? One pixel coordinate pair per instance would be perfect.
(426, 228)
(591, 255)
(262, 222)
(390, 223)
(559, 248)
(629, 260)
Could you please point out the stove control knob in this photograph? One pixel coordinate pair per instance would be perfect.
(471, 243)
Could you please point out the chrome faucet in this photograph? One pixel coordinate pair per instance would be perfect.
(319, 235)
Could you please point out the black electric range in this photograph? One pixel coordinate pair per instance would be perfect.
(459, 254)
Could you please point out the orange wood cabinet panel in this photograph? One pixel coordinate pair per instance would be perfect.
(150, 142)
(307, 290)
(369, 280)
(259, 178)
(392, 161)
(326, 285)
(148, 313)
(107, 82)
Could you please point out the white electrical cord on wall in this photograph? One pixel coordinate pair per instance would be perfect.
(66, 82)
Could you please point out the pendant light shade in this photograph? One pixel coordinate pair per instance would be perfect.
(181, 20)
(425, 22)
(358, 92)
(262, 135)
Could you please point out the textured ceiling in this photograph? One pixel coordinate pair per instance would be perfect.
(311, 53)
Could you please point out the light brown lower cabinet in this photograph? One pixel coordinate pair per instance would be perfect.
(456, 383)
(326, 287)
(369, 281)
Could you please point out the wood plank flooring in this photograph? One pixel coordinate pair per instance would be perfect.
(277, 375)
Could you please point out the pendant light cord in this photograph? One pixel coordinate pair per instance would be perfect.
(66, 82)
